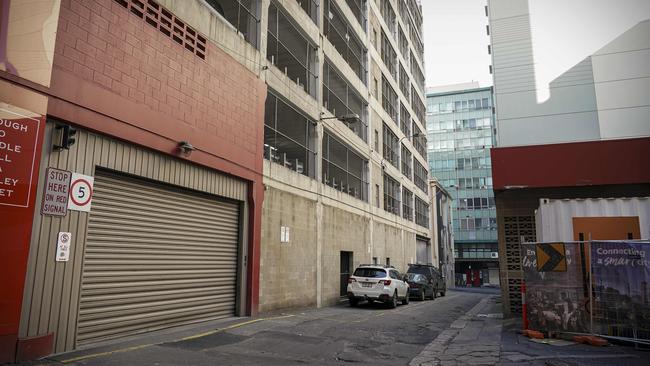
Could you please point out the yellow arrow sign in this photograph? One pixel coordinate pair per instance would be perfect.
(551, 257)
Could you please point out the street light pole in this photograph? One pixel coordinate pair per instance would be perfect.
(418, 134)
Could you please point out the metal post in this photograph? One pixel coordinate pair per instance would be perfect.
(591, 297)
(524, 308)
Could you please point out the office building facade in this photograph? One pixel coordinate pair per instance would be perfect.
(461, 131)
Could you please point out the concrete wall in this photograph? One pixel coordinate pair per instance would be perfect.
(622, 77)
(603, 96)
(305, 272)
(289, 269)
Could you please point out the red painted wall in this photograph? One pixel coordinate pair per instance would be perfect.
(115, 74)
(606, 162)
(16, 218)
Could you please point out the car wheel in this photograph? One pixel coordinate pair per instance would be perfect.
(354, 302)
(392, 303)
(442, 293)
(405, 300)
(423, 296)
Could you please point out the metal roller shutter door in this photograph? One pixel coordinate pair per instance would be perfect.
(155, 257)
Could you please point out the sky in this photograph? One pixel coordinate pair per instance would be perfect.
(455, 37)
(455, 42)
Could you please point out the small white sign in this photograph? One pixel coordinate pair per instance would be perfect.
(81, 192)
(63, 247)
(284, 234)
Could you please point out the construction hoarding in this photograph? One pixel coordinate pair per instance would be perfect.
(604, 288)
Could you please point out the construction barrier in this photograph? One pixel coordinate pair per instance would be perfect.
(597, 287)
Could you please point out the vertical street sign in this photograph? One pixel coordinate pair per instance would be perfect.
(81, 192)
(63, 242)
(55, 196)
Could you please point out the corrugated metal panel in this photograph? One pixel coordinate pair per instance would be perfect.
(155, 257)
(51, 295)
(554, 217)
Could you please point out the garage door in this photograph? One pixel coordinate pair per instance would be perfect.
(155, 257)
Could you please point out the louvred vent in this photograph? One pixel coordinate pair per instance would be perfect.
(163, 20)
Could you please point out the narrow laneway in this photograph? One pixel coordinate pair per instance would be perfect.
(369, 334)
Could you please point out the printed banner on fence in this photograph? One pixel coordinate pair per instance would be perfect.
(621, 277)
(556, 300)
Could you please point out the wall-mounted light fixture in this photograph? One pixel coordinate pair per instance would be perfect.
(417, 134)
(347, 118)
(185, 148)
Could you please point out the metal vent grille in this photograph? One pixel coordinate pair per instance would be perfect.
(514, 228)
(168, 24)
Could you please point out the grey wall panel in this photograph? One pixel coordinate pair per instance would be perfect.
(52, 289)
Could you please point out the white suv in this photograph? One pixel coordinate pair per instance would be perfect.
(377, 282)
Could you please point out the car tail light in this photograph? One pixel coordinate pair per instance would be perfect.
(350, 280)
(385, 282)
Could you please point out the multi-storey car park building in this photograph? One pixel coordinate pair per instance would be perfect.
(460, 130)
(345, 168)
(243, 156)
(590, 139)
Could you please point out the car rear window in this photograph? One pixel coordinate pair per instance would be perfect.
(370, 272)
(415, 277)
(420, 270)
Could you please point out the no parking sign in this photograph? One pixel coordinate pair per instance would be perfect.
(81, 192)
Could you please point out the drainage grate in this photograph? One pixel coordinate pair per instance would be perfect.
(168, 24)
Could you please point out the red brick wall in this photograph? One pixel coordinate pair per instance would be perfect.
(114, 63)
(115, 74)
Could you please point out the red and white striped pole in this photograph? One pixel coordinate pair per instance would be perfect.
(524, 308)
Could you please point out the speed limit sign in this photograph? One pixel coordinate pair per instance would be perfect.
(81, 192)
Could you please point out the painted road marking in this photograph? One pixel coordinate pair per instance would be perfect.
(128, 349)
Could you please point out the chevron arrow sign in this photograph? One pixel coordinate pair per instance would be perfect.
(551, 257)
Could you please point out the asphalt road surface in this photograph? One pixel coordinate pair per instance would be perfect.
(368, 334)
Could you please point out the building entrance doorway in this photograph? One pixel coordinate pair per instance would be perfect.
(346, 270)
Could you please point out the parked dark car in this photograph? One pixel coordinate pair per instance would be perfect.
(435, 279)
(419, 286)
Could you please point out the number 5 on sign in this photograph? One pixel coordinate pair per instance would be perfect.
(81, 192)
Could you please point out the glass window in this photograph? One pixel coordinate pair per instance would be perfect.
(289, 137)
(340, 99)
(389, 99)
(407, 162)
(391, 195)
(420, 176)
(407, 204)
(242, 14)
(343, 169)
(339, 33)
(391, 146)
(388, 54)
(421, 212)
(358, 8)
(290, 51)
(419, 141)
